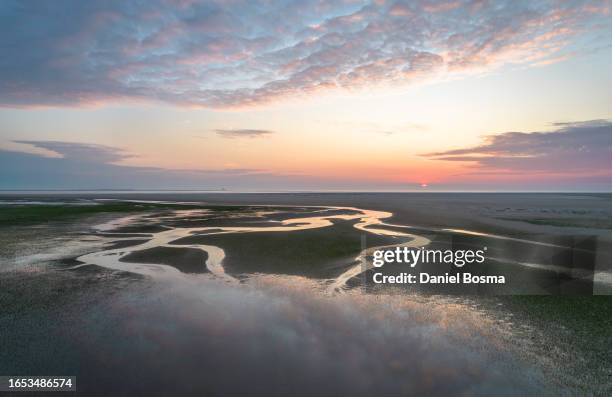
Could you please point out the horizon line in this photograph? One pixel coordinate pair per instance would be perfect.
(220, 191)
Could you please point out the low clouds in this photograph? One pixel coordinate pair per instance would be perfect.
(243, 133)
(246, 53)
(83, 152)
(581, 149)
(575, 156)
(89, 166)
(71, 165)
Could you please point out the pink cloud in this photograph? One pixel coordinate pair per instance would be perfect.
(242, 53)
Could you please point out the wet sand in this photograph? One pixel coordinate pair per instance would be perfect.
(186, 260)
(296, 313)
(271, 336)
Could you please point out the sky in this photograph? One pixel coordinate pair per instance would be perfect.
(379, 95)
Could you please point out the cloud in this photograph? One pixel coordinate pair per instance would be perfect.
(84, 152)
(243, 133)
(87, 166)
(576, 149)
(222, 54)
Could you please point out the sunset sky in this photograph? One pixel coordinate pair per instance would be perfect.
(306, 95)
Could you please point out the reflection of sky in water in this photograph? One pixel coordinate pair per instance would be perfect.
(277, 336)
(280, 335)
